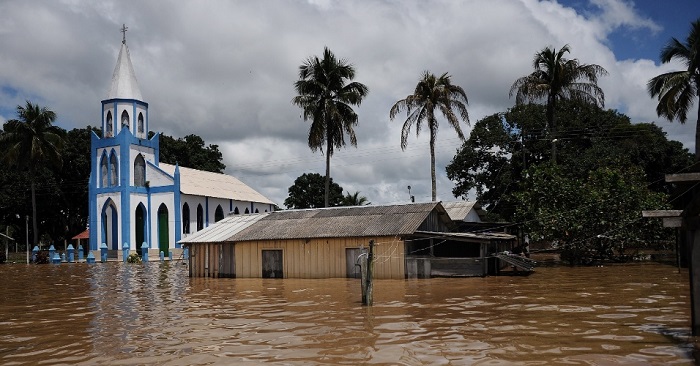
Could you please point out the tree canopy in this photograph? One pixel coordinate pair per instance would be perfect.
(308, 192)
(432, 93)
(677, 90)
(190, 152)
(326, 96)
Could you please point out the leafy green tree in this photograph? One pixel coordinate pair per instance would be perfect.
(32, 142)
(355, 200)
(677, 90)
(556, 78)
(308, 192)
(432, 93)
(590, 220)
(190, 152)
(326, 98)
(492, 161)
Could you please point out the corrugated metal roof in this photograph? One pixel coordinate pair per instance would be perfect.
(203, 183)
(337, 222)
(458, 210)
(223, 229)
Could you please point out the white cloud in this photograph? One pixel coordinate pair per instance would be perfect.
(224, 71)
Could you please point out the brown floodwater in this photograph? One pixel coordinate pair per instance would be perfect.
(129, 314)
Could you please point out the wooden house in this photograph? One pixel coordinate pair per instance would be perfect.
(413, 241)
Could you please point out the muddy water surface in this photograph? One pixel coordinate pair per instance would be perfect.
(115, 313)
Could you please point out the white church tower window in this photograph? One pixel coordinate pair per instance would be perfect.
(139, 171)
(125, 120)
(103, 172)
(109, 129)
(140, 123)
(114, 170)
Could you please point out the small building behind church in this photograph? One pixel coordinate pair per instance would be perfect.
(136, 199)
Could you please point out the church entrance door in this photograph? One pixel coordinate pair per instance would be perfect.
(163, 231)
(140, 228)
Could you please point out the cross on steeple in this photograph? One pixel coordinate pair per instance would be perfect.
(123, 30)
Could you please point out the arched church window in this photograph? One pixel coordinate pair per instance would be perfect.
(109, 129)
(140, 123)
(114, 171)
(139, 171)
(246, 210)
(218, 214)
(125, 120)
(200, 218)
(235, 211)
(185, 218)
(256, 211)
(103, 172)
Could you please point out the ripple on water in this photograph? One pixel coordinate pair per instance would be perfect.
(154, 314)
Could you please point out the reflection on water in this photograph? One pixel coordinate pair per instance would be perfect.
(152, 313)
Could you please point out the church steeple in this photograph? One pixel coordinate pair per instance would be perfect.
(124, 108)
(124, 84)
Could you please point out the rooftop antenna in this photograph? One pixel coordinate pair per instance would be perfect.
(123, 30)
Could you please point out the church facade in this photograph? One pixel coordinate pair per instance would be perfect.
(135, 199)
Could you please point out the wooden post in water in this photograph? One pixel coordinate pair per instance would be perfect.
(370, 272)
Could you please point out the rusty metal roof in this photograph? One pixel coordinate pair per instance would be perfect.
(336, 222)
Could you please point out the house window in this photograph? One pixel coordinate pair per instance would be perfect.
(185, 218)
(109, 129)
(125, 120)
(114, 171)
(140, 123)
(139, 171)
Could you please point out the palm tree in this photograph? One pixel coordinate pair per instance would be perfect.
(556, 77)
(30, 142)
(327, 99)
(432, 93)
(355, 200)
(676, 90)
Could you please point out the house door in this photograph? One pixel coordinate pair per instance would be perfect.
(272, 264)
(140, 227)
(352, 271)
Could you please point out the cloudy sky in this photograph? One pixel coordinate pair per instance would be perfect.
(225, 70)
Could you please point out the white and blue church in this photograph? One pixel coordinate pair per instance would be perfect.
(135, 199)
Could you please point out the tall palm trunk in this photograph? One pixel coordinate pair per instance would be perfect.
(36, 232)
(697, 135)
(551, 106)
(432, 165)
(328, 169)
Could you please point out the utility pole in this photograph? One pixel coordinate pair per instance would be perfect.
(370, 272)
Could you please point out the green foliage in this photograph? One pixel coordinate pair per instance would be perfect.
(190, 152)
(598, 218)
(355, 200)
(133, 258)
(41, 257)
(676, 90)
(557, 78)
(308, 190)
(32, 143)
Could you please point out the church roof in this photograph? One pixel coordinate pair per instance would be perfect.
(124, 84)
(202, 183)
